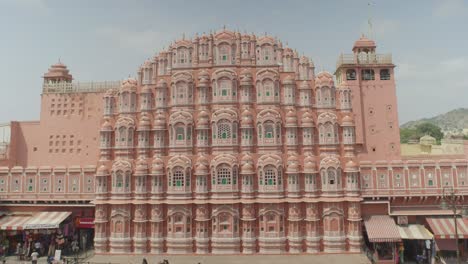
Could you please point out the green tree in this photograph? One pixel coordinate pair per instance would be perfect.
(407, 134)
(431, 130)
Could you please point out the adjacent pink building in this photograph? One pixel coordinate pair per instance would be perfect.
(228, 143)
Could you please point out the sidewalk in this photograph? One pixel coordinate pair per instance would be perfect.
(232, 259)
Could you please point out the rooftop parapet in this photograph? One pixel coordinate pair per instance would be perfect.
(80, 87)
(364, 59)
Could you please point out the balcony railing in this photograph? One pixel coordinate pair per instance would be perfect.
(85, 87)
(364, 59)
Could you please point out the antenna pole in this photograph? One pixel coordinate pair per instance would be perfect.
(369, 21)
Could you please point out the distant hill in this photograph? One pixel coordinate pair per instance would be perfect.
(454, 120)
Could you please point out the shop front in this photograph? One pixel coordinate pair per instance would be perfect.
(382, 238)
(417, 243)
(43, 232)
(85, 231)
(446, 243)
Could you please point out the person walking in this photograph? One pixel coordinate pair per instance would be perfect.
(34, 257)
(144, 261)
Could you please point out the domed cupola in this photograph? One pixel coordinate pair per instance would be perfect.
(57, 73)
(103, 170)
(304, 85)
(106, 126)
(161, 83)
(291, 118)
(203, 120)
(292, 164)
(160, 121)
(247, 164)
(324, 79)
(351, 166)
(141, 167)
(246, 78)
(129, 84)
(145, 122)
(347, 121)
(247, 119)
(289, 80)
(304, 60)
(203, 79)
(310, 165)
(306, 120)
(157, 166)
(201, 169)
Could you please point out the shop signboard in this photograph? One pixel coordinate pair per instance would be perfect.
(85, 222)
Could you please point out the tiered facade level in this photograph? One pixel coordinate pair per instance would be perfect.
(227, 143)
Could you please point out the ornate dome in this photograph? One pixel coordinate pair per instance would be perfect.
(324, 79)
(304, 60)
(309, 165)
(145, 121)
(364, 42)
(293, 164)
(201, 169)
(351, 166)
(204, 79)
(106, 126)
(161, 83)
(160, 121)
(247, 168)
(246, 77)
(203, 119)
(247, 119)
(304, 85)
(141, 167)
(129, 84)
(58, 70)
(427, 140)
(291, 118)
(306, 120)
(289, 80)
(157, 166)
(347, 121)
(103, 170)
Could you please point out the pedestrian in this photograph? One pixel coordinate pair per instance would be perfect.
(34, 257)
(144, 261)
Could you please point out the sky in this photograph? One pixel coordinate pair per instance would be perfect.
(109, 40)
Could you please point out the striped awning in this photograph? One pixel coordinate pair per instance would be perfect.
(46, 220)
(381, 228)
(40, 220)
(14, 222)
(443, 227)
(414, 232)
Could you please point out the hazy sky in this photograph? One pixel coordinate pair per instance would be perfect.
(108, 40)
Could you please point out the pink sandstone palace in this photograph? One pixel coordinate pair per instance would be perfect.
(230, 143)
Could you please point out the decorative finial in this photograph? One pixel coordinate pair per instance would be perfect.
(224, 27)
(183, 36)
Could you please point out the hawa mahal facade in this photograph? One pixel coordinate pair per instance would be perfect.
(226, 143)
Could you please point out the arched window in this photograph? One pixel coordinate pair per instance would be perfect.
(178, 177)
(225, 86)
(224, 175)
(270, 176)
(350, 74)
(180, 133)
(268, 89)
(367, 74)
(224, 52)
(224, 129)
(269, 130)
(331, 177)
(119, 180)
(385, 74)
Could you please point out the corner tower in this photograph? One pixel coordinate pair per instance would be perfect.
(370, 76)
